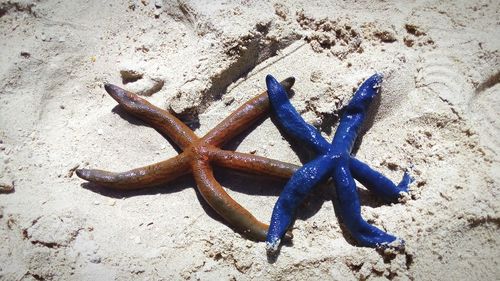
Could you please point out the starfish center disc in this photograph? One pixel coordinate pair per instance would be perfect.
(201, 151)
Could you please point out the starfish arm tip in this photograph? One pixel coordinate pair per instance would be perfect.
(276, 93)
(378, 76)
(405, 182)
(95, 176)
(82, 173)
(272, 246)
(378, 239)
(269, 77)
(289, 82)
(375, 80)
(365, 94)
(110, 87)
(271, 82)
(397, 244)
(118, 94)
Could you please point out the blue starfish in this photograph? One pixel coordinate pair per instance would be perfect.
(334, 160)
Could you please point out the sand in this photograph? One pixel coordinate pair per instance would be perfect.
(438, 115)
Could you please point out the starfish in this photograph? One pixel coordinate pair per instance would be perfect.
(197, 157)
(333, 161)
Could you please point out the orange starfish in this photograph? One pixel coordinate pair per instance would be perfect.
(198, 156)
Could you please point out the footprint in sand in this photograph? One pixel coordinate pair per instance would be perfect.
(439, 73)
(485, 110)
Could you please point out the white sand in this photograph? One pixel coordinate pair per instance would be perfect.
(439, 112)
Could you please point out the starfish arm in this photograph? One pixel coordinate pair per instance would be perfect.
(377, 182)
(252, 163)
(151, 175)
(292, 196)
(350, 211)
(291, 120)
(355, 113)
(242, 118)
(225, 206)
(158, 118)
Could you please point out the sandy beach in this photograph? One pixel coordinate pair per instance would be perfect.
(437, 116)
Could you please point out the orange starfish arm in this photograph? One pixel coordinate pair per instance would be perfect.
(242, 118)
(151, 175)
(252, 163)
(237, 216)
(158, 118)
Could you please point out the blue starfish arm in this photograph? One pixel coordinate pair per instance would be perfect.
(378, 183)
(295, 191)
(350, 210)
(355, 113)
(290, 119)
